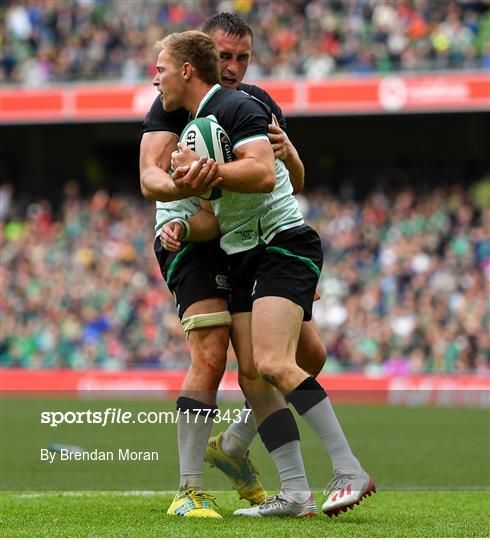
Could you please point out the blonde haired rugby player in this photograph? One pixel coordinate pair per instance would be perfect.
(275, 262)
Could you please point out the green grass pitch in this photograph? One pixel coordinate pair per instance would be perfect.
(112, 514)
(431, 467)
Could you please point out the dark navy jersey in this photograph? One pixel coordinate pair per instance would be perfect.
(263, 96)
(243, 117)
(157, 119)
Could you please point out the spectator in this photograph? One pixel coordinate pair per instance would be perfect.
(70, 40)
(404, 288)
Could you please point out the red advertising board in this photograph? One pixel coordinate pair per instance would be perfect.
(416, 390)
(340, 95)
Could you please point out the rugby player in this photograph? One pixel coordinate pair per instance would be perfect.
(275, 261)
(208, 341)
(234, 39)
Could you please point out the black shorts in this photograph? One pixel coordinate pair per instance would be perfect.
(289, 267)
(197, 272)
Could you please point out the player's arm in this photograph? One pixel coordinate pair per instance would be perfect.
(253, 170)
(155, 150)
(284, 150)
(201, 227)
(156, 184)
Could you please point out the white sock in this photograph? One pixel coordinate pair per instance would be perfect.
(239, 435)
(193, 434)
(289, 463)
(323, 420)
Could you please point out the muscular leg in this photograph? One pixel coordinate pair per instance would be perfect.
(208, 353)
(239, 435)
(258, 393)
(310, 356)
(276, 326)
(274, 343)
(276, 424)
(208, 361)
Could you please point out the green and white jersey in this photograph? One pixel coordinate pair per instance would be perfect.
(246, 219)
(167, 211)
(249, 219)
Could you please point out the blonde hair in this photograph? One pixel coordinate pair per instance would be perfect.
(196, 48)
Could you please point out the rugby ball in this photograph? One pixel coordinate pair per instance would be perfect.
(208, 139)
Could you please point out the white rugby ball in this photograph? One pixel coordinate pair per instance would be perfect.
(208, 139)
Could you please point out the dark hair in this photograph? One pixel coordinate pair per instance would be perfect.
(229, 23)
(196, 48)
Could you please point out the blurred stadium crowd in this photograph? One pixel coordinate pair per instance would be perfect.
(47, 41)
(404, 288)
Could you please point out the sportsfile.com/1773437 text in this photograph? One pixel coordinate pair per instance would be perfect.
(113, 415)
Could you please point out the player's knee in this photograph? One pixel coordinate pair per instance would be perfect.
(209, 355)
(272, 371)
(210, 358)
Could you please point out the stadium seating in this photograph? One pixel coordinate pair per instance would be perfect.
(402, 288)
(84, 41)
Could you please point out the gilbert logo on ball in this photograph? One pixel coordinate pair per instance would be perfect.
(208, 139)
